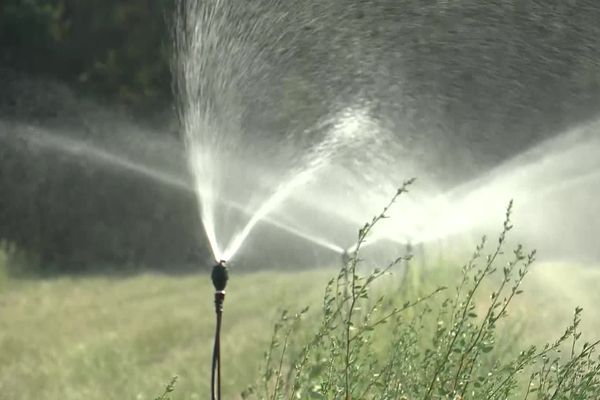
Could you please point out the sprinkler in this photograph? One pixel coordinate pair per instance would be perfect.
(219, 276)
(345, 258)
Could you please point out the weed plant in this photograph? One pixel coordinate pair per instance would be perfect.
(439, 345)
(170, 388)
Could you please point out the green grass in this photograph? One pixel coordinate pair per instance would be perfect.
(100, 338)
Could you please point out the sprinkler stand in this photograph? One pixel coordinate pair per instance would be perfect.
(219, 276)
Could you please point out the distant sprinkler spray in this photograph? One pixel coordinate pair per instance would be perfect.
(219, 278)
(345, 258)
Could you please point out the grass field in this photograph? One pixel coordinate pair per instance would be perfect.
(123, 338)
(100, 338)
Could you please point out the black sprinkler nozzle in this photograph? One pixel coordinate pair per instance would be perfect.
(219, 276)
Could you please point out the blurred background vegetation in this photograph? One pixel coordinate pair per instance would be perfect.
(67, 213)
(471, 82)
(109, 49)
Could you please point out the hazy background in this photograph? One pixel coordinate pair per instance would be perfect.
(463, 84)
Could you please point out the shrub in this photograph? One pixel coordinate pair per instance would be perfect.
(440, 345)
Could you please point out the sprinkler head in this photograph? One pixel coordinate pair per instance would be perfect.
(219, 276)
(345, 258)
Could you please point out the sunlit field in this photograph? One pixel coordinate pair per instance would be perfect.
(97, 338)
(100, 338)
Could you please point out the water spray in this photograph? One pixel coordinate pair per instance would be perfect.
(219, 276)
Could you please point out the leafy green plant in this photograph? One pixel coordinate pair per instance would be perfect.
(170, 388)
(444, 344)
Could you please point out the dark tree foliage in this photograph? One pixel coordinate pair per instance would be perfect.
(109, 48)
(74, 215)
